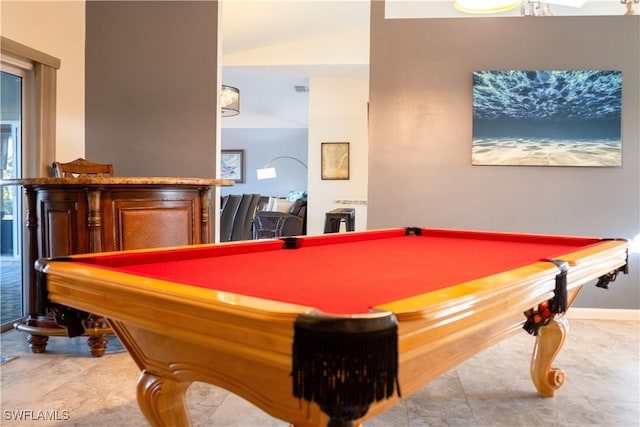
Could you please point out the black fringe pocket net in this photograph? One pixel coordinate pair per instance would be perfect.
(342, 362)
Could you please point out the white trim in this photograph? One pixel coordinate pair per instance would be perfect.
(38, 71)
(603, 314)
(21, 52)
(15, 61)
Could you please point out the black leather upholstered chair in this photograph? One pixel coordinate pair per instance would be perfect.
(229, 209)
(243, 220)
(268, 224)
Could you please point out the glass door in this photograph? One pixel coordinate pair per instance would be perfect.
(11, 289)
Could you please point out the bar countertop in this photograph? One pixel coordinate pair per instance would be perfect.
(118, 180)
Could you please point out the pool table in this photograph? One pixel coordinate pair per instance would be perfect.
(236, 314)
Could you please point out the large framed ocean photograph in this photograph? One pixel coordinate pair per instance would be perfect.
(547, 118)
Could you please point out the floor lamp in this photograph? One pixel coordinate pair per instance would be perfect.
(269, 172)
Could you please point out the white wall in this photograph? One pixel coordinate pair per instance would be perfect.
(56, 28)
(338, 113)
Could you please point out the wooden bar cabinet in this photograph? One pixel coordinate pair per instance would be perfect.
(67, 216)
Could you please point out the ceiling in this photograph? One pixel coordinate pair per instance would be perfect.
(271, 46)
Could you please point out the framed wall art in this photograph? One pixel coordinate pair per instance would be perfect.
(547, 118)
(232, 165)
(335, 160)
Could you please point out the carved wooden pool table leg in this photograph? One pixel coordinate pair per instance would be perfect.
(546, 378)
(162, 401)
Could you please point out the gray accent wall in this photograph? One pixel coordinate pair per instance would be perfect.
(151, 73)
(420, 124)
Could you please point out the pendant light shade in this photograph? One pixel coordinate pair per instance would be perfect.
(230, 101)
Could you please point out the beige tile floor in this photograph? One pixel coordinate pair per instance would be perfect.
(600, 358)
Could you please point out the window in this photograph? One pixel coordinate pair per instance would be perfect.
(27, 149)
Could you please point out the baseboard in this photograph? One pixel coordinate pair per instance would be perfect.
(602, 314)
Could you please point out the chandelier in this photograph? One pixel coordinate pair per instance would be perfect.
(629, 4)
(485, 6)
(535, 8)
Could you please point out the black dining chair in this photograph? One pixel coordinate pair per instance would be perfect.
(243, 220)
(229, 210)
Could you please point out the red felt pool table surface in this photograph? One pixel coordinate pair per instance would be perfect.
(348, 273)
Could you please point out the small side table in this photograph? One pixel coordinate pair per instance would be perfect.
(334, 218)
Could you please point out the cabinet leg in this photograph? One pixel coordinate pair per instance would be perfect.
(97, 345)
(38, 343)
(97, 342)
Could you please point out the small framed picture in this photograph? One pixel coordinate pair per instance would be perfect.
(232, 165)
(335, 160)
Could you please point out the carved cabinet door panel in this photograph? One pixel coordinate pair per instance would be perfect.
(62, 218)
(151, 219)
